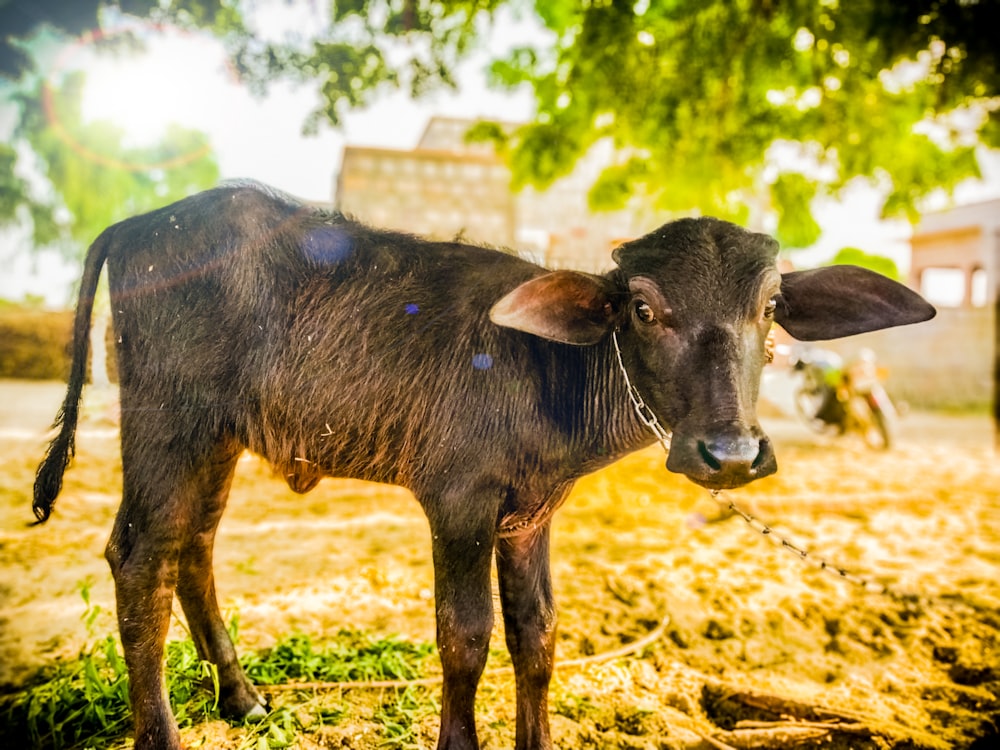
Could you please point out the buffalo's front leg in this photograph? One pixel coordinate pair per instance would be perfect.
(530, 625)
(462, 568)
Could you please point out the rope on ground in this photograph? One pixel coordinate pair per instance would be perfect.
(627, 650)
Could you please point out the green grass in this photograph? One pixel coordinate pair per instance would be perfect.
(83, 701)
(399, 715)
(352, 657)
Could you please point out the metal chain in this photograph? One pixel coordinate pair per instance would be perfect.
(646, 415)
(648, 418)
(803, 554)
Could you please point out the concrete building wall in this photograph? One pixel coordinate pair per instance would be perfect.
(965, 241)
(436, 194)
(446, 187)
(945, 363)
(948, 361)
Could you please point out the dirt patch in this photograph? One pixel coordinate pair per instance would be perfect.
(758, 647)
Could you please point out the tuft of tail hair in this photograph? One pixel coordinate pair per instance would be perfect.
(49, 477)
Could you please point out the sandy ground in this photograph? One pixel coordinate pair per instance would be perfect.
(752, 633)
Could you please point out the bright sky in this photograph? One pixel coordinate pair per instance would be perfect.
(184, 78)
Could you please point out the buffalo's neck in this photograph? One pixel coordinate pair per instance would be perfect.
(594, 406)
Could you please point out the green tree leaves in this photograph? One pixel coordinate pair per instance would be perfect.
(98, 179)
(692, 93)
(12, 187)
(857, 257)
(699, 91)
(792, 196)
(371, 46)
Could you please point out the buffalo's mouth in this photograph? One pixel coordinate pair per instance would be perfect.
(724, 459)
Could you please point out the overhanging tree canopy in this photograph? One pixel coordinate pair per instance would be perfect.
(701, 97)
(694, 94)
(698, 95)
(98, 178)
(94, 177)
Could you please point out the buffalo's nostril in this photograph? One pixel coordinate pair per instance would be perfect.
(737, 452)
(706, 456)
(724, 460)
(764, 454)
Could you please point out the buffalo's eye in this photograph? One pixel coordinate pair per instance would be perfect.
(644, 312)
(769, 309)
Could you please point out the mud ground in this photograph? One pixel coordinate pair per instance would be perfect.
(755, 648)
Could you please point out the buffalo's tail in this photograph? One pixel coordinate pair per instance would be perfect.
(49, 477)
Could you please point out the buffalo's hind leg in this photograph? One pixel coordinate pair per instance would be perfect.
(143, 553)
(238, 698)
(529, 616)
(173, 492)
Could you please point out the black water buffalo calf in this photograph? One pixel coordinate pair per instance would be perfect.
(483, 383)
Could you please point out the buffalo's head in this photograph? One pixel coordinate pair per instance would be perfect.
(692, 304)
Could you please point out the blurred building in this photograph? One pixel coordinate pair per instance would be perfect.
(955, 255)
(947, 361)
(445, 188)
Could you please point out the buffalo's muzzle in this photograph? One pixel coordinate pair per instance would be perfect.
(723, 459)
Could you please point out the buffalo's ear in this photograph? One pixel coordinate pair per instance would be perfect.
(565, 306)
(835, 301)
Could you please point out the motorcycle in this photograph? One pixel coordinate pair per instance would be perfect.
(832, 397)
